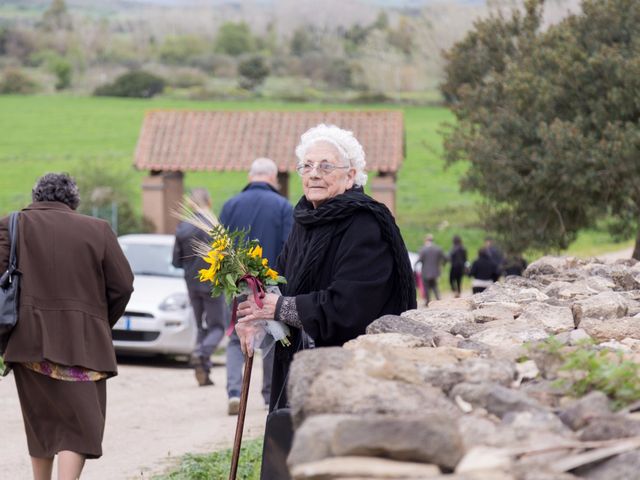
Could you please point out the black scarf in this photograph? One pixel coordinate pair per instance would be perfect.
(325, 219)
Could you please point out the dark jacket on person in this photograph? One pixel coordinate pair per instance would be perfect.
(346, 265)
(483, 268)
(514, 265)
(458, 257)
(185, 257)
(266, 213)
(75, 285)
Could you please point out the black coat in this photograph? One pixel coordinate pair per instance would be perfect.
(351, 289)
(483, 268)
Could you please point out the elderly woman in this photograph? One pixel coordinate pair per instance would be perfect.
(345, 261)
(76, 283)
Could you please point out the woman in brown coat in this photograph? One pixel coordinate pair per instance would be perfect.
(75, 285)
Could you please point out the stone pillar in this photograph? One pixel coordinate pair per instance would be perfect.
(383, 189)
(161, 192)
(283, 184)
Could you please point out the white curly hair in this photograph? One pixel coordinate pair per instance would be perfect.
(350, 149)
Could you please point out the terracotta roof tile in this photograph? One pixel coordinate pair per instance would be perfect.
(217, 140)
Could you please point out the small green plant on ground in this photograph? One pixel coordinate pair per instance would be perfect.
(603, 370)
(583, 369)
(216, 465)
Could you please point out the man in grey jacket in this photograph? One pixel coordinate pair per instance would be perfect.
(432, 258)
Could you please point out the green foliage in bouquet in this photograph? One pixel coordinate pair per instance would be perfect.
(232, 256)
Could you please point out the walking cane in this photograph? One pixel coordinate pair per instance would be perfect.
(244, 396)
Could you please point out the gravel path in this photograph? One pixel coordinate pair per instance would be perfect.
(155, 413)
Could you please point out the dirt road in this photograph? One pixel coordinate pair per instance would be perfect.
(155, 413)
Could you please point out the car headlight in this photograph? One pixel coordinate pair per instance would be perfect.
(175, 301)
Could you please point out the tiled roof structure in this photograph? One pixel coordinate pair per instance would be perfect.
(222, 140)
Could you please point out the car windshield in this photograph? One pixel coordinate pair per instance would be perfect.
(149, 259)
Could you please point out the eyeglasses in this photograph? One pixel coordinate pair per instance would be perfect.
(323, 168)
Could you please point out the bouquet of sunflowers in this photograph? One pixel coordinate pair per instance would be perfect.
(236, 267)
(234, 259)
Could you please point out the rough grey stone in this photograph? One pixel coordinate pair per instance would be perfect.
(478, 429)
(610, 427)
(515, 308)
(354, 468)
(312, 440)
(479, 347)
(475, 370)
(354, 392)
(553, 319)
(493, 313)
(429, 438)
(524, 423)
(439, 319)
(501, 335)
(520, 282)
(545, 392)
(604, 305)
(387, 340)
(527, 295)
(579, 289)
(495, 398)
(399, 324)
(622, 467)
(446, 339)
(466, 329)
(583, 410)
(547, 265)
(526, 472)
(461, 303)
(613, 329)
(573, 337)
(306, 367)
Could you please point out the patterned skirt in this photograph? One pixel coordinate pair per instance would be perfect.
(61, 415)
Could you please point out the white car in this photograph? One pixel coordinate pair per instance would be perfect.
(158, 318)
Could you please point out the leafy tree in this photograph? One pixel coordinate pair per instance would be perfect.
(253, 72)
(549, 121)
(57, 17)
(138, 84)
(102, 186)
(15, 81)
(235, 39)
(63, 71)
(382, 21)
(402, 36)
(182, 49)
(339, 74)
(302, 42)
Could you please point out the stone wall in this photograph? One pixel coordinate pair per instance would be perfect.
(458, 391)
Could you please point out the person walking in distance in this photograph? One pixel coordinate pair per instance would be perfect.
(211, 313)
(432, 258)
(268, 216)
(484, 272)
(458, 260)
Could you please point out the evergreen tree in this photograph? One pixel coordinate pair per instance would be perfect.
(549, 121)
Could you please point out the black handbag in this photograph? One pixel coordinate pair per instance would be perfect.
(10, 288)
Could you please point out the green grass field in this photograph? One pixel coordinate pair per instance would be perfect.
(62, 133)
